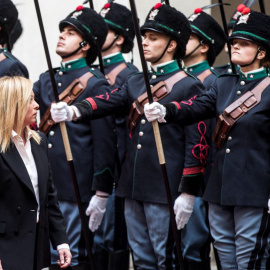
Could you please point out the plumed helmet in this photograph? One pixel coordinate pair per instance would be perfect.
(119, 19)
(92, 27)
(171, 22)
(8, 16)
(253, 26)
(208, 29)
(235, 15)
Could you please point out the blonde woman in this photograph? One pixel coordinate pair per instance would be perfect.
(29, 211)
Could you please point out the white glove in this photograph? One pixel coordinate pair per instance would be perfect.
(96, 210)
(183, 208)
(61, 112)
(269, 206)
(155, 111)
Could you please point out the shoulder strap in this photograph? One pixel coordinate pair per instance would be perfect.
(204, 75)
(159, 91)
(69, 95)
(236, 110)
(111, 76)
(248, 101)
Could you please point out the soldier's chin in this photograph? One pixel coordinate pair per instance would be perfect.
(60, 51)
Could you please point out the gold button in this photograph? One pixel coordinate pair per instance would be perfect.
(49, 145)
(59, 84)
(139, 146)
(238, 93)
(228, 151)
(154, 77)
(229, 138)
(140, 133)
(143, 121)
(60, 73)
(242, 83)
(51, 133)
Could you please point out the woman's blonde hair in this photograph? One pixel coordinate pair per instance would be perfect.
(15, 97)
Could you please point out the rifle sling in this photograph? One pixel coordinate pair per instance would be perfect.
(159, 91)
(111, 76)
(69, 95)
(236, 110)
(204, 75)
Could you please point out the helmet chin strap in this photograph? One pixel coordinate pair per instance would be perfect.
(259, 49)
(163, 51)
(115, 38)
(81, 44)
(194, 50)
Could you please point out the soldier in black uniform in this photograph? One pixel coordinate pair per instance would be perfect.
(238, 188)
(166, 32)
(9, 64)
(206, 41)
(110, 241)
(93, 143)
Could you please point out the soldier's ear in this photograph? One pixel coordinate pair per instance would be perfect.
(120, 40)
(262, 53)
(204, 47)
(172, 46)
(85, 45)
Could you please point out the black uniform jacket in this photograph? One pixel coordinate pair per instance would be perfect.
(141, 178)
(93, 143)
(11, 66)
(110, 63)
(18, 211)
(240, 174)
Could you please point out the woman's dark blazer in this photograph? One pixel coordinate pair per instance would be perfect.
(20, 235)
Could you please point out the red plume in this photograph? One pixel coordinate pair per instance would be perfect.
(197, 10)
(157, 6)
(240, 7)
(79, 8)
(246, 11)
(107, 5)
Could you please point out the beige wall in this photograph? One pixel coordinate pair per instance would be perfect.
(29, 48)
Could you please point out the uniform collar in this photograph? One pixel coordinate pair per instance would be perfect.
(113, 58)
(199, 67)
(75, 64)
(165, 68)
(254, 74)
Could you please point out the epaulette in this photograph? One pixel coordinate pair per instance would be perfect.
(96, 72)
(9, 56)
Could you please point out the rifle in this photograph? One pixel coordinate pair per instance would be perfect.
(262, 7)
(157, 134)
(65, 138)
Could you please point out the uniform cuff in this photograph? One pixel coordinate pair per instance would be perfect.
(191, 184)
(170, 112)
